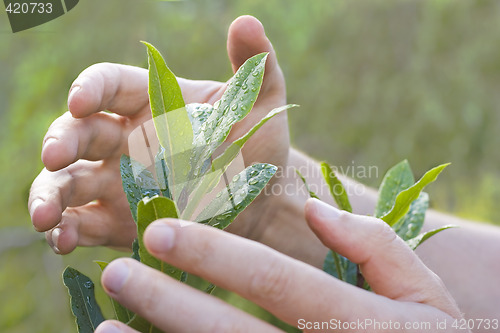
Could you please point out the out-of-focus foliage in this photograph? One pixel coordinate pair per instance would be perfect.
(382, 80)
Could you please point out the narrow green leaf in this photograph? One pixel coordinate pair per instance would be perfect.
(311, 193)
(136, 188)
(102, 264)
(236, 102)
(142, 325)
(416, 241)
(121, 313)
(150, 210)
(406, 197)
(237, 195)
(337, 190)
(210, 289)
(162, 172)
(397, 179)
(220, 164)
(135, 250)
(335, 263)
(222, 161)
(83, 304)
(170, 118)
(130, 188)
(411, 224)
(198, 115)
(164, 90)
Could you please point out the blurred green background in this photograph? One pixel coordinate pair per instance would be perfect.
(377, 80)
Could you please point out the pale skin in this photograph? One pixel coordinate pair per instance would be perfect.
(78, 201)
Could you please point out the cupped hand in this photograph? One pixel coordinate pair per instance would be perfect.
(407, 295)
(77, 200)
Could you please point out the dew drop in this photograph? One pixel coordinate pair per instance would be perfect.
(88, 285)
(236, 178)
(252, 190)
(196, 114)
(234, 107)
(253, 181)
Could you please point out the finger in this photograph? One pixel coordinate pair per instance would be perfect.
(114, 326)
(173, 306)
(118, 88)
(390, 267)
(96, 137)
(94, 224)
(246, 38)
(76, 185)
(288, 288)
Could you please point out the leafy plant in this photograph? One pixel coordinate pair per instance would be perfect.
(184, 171)
(401, 204)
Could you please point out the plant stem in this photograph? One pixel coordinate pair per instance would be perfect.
(336, 259)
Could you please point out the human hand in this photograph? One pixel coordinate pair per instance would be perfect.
(406, 292)
(78, 199)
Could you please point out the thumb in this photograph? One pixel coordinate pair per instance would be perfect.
(246, 38)
(390, 267)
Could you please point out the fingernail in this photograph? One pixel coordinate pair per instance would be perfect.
(160, 237)
(115, 275)
(55, 237)
(108, 328)
(34, 205)
(324, 210)
(72, 93)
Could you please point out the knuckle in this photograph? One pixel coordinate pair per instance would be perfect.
(270, 281)
(383, 232)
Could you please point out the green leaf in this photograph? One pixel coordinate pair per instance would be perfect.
(220, 164)
(132, 191)
(311, 193)
(397, 179)
(406, 197)
(337, 190)
(222, 161)
(198, 115)
(171, 120)
(150, 210)
(411, 224)
(135, 250)
(210, 289)
(136, 188)
(121, 312)
(236, 102)
(340, 267)
(237, 195)
(142, 325)
(416, 241)
(164, 91)
(83, 304)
